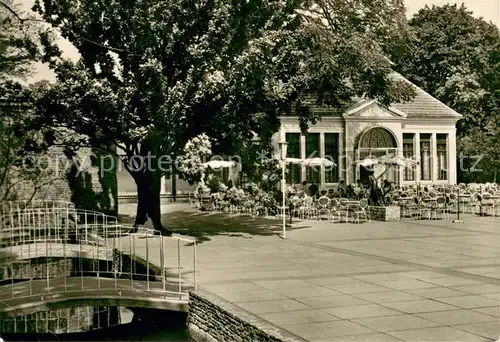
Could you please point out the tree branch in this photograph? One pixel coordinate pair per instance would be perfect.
(14, 13)
(110, 48)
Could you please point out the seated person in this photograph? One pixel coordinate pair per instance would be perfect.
(359, 184)
(331, 193)
(350, 191)
(342, 189)
(303, 187)
(313, 190)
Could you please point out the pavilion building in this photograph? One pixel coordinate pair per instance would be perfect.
(423, 129)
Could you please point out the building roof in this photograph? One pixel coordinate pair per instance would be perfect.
(423, 105)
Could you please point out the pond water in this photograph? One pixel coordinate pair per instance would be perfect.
(125, 332)
(151, 326)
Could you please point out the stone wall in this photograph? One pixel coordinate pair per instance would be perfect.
(92, 180)
(88, 179)
(41, 178)
(214, 319)
(389, 213)
(27, 270)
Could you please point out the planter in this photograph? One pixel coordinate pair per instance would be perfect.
(390, 213)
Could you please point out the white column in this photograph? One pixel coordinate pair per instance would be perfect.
(434, 161)
(451, 147)
(303, 156)
(401, 155)
(341, 165)
(163, 186)
(322, 155)
(416, 149)
(276, 138)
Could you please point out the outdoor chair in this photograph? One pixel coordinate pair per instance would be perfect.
(334, 210)
(361, 211)
(193, 202)
(221, 205)
(298, 206)
(283, 211)
(342, 209)
(406, 205)
(441, 208)
(452, 203)
(421, 208)
(309, 208)
(323, 207)
(487, 205)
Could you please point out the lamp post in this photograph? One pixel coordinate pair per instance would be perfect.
(283, 147)
(458, 220)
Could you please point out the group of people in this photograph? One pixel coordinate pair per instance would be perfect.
(377, 194)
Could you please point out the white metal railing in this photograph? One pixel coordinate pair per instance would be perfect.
(95, 250)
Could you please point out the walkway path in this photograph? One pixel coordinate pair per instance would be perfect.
(409, 280)
(58, 250)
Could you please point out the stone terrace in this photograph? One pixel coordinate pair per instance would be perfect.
(378, 281)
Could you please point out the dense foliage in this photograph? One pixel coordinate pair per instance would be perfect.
(456, 58)
(23, 171)
(154, 74)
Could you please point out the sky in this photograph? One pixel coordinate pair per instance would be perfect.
(487, 9)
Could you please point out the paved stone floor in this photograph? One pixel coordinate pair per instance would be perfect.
(378, 281)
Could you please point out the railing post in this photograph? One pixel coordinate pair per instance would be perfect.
(64, 253)
(98, 261)
(179, 266)
(147, 261)
(30, 274)
(46, 254)
(131, 241)
(115, 267)
(194, 266)
(12, 252)
(162, 262)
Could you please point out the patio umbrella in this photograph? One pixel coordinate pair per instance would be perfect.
(367, 162)
(397, 161)
(218, 164)
(318, 162)
(293, 161)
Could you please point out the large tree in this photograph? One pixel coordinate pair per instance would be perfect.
(21, 169)
(456, 58)
(154, 74)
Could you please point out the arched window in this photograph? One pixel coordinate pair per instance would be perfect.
(377, 137)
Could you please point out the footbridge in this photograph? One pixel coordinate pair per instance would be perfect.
(54, 256)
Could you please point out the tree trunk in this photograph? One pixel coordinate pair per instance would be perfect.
(148, 200)
(174, 185)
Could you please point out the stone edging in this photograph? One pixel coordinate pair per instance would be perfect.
(212, 318)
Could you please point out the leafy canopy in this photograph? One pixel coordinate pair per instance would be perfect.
(153, 74)
(456, 58)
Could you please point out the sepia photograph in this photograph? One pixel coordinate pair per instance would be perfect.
(250, 170)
